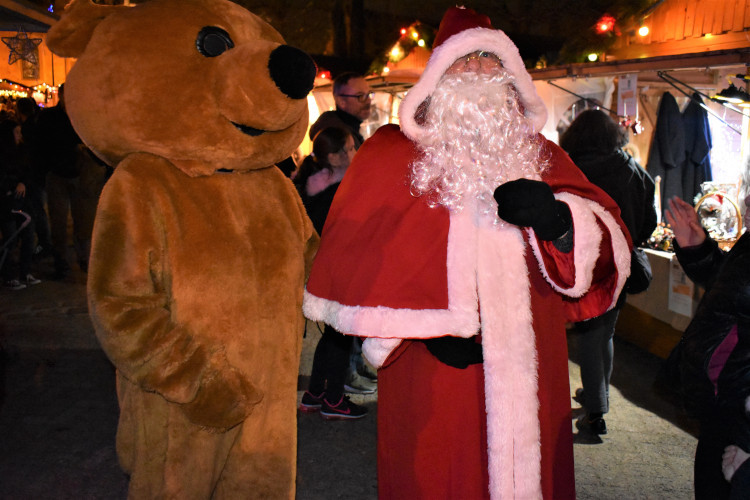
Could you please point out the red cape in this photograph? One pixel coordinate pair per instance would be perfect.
(382, 247)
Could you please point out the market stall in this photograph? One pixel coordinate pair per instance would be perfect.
(690, 55)
(27, 67)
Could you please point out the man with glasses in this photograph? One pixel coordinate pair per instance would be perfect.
(353, 99)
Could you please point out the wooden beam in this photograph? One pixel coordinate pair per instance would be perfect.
(28, 10)
(663, 63)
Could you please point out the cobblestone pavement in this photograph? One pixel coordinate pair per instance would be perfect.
(58, 414)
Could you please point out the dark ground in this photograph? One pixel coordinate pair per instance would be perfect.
(58, 415)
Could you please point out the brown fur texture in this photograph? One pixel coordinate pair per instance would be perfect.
(201, 246)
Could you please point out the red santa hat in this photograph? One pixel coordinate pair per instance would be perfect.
(463, 31)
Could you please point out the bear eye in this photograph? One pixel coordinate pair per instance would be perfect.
(213, 41)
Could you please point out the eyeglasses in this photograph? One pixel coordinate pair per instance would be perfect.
(360, 97)
(482, 54)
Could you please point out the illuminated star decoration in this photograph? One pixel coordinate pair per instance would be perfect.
(21, 47)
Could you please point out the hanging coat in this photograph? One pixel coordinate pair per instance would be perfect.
(697, 166)
(667, 153)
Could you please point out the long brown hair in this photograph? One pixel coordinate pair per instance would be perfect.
(328, 141)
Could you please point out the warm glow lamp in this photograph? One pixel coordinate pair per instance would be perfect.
(605, 24)
(643, 30)
(734, 95)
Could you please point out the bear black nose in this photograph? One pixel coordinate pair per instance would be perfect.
(292, 70)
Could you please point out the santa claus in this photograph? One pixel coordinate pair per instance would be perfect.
(459, 244)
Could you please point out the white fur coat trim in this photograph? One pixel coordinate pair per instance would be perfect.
(510, 365)
(385, 326)
(459, 319)
(587, 239)
(459, 45)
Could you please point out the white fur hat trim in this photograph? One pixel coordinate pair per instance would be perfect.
(458, 45)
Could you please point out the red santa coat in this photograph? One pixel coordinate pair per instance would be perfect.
(390, 268)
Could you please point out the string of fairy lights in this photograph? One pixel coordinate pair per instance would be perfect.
(14, 90)
(422, 35)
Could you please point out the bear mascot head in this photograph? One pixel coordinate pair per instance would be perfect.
(201, 246)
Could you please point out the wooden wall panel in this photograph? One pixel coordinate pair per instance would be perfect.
(671, 23)
(660, 23)
(685, 24)
(726, 26)
(690, 10)
(679, 26)
(700, 17)
(738, 16)
(719, 8)
(708, 16)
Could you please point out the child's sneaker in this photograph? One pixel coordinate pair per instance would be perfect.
(357, 384)
(311, 403)
(31, 280)
(343, 410)
(14, 285)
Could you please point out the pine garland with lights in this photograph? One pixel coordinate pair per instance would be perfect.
(415, 35)
(604, 27)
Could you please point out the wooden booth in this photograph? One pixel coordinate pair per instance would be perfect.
(693, 50)
(27, 67)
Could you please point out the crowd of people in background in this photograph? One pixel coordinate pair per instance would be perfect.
(48, 177)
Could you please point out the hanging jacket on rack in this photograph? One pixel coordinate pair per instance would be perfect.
(697, 166)
(667, 153)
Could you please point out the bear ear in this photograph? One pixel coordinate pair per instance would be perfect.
(69, 36)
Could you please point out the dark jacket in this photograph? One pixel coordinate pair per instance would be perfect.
(697, 167)
(667, 153)
(726, 303)
(620, 176)
(11, 171)
(58, 142)
(318, 205)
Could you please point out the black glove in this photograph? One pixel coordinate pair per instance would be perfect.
(528, 203)
(457, 352)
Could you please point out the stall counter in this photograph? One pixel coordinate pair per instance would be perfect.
(656, 318)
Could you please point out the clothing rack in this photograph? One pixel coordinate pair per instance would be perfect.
(674, 81)
(592, 101)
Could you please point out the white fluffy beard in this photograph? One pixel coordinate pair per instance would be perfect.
(476, 139)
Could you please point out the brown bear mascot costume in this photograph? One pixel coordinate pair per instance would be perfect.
(201, 246)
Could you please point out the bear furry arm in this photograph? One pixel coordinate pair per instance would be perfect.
(133, 311)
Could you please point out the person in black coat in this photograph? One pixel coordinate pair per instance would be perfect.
(317, 180)
(713, 355)
(13, 205)
(594, 142)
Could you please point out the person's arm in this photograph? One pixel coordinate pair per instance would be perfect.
(130, 304)
(530, 203)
